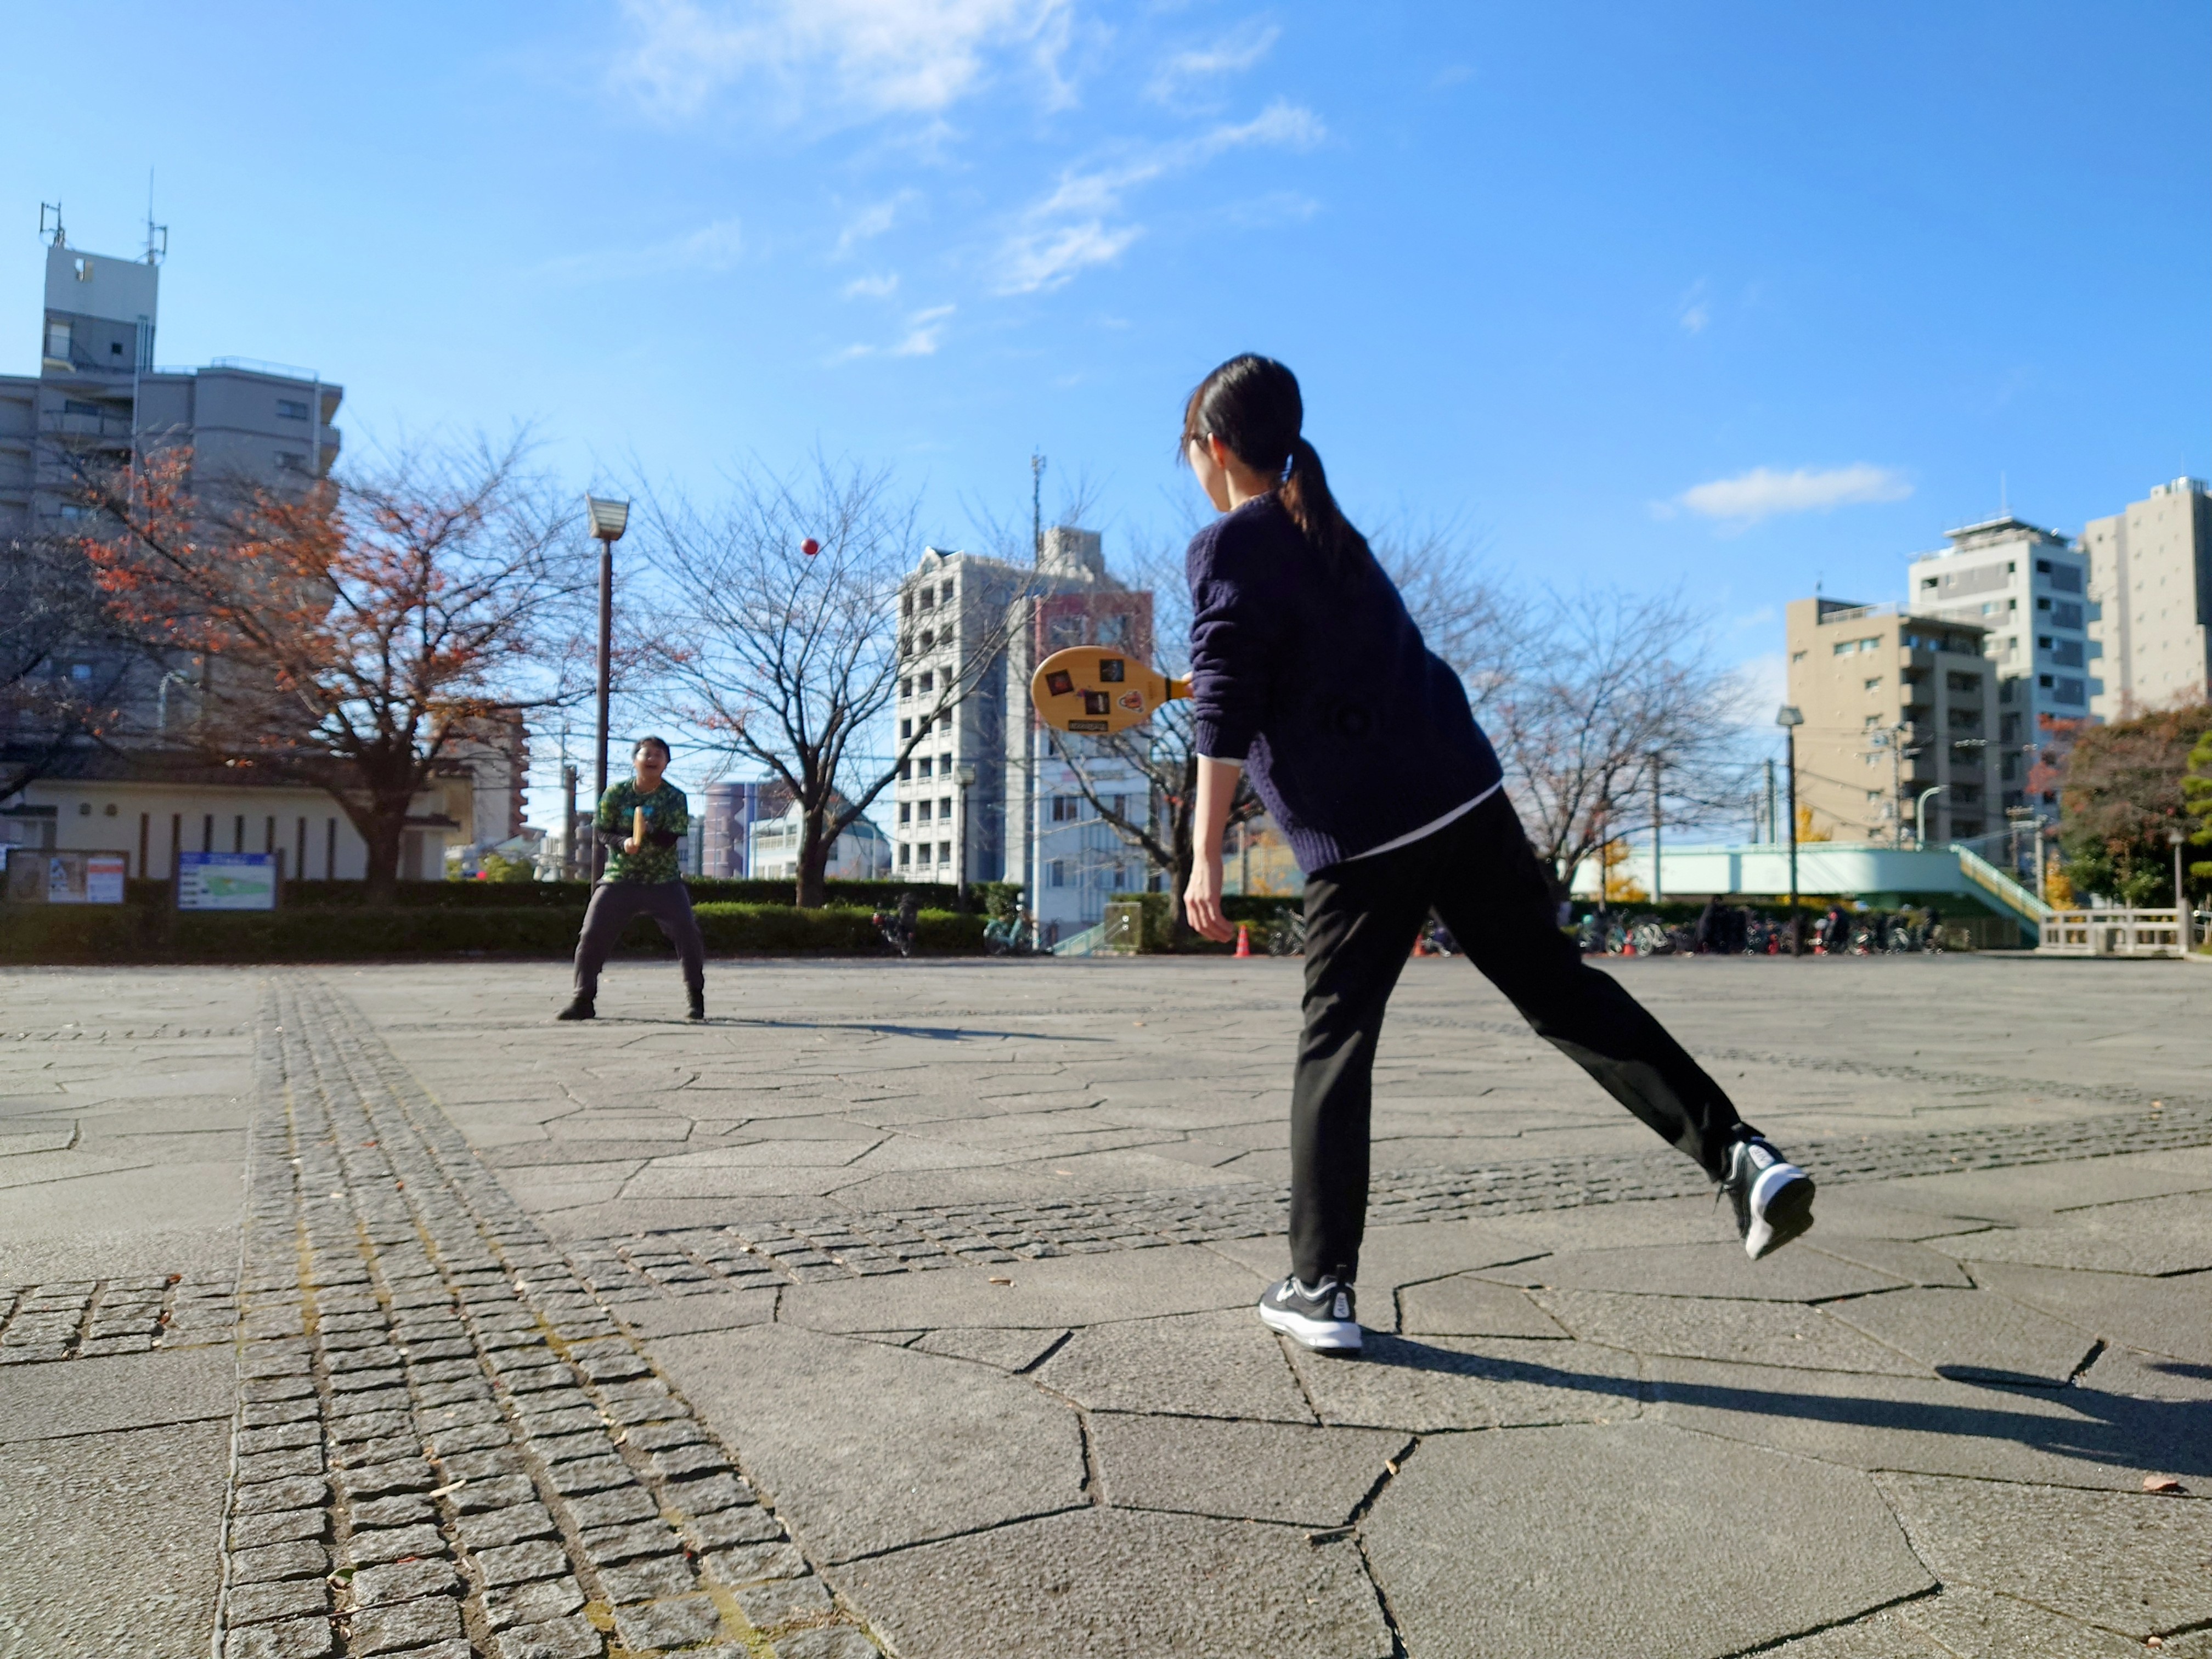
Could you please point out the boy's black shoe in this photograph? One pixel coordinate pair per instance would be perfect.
(698, 1010)
(1321, 1318)
(581, 1008)
(1773, 1197)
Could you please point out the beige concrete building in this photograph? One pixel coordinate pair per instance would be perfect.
(1894, 704)
(2150, 572)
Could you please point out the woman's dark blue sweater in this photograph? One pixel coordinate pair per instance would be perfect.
(1352, 733)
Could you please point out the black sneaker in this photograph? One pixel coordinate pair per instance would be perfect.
(581, 1008)
(1321, 1318)
(698, 1010)
(1773, 1197)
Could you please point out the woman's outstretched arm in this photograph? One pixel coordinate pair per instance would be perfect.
(1201, 900)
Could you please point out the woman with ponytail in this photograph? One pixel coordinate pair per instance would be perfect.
(1308, 675)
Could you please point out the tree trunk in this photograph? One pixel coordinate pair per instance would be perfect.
(814, 860)
(383, 833)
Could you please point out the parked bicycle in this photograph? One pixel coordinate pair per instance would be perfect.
(1286, 933)
(899, 926)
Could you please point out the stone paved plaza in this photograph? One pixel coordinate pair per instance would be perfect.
(905, 1308)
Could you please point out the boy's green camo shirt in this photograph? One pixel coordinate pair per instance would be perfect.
(665, 810)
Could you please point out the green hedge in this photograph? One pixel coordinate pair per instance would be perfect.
(122, 933)
(555, 895)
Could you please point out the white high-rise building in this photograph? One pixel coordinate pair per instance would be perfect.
(2150, 571)
(1022, 816)
(2029, 588)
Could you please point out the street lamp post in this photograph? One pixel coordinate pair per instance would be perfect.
(1658, 879)
(965, 775)
(1920, 816)
(2178, 837)
(1790, 719)
(609, 521)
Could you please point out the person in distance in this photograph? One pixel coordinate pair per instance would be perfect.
(642, 878)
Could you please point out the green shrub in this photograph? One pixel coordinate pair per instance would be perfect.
(1256, 911)
(126, 933)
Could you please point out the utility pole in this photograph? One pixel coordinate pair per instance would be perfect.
(567, 822)
(1658, 880)
(1773, 828)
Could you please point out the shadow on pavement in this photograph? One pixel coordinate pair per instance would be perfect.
(2122, 1430)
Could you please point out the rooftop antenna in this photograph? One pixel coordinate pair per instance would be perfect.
(55, 208)
(157, 236)
(2004, 498)
(1036, 507)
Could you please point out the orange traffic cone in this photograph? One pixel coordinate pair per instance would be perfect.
(1243, 941)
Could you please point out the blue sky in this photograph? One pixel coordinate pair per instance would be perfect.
(1738, 297)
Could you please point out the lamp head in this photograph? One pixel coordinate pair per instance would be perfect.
(609, 519)
(1788, 715)
(965, 775)
(2176, 837)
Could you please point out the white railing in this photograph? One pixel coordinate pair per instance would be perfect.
(2114, 933)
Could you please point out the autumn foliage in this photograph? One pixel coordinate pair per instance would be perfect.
(353, 633)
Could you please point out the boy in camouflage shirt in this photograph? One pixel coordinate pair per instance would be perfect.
(641, 878)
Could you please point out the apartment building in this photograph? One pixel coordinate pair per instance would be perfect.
(2028, 588)
(988, 794)
(2150, 572)
(1895, 704)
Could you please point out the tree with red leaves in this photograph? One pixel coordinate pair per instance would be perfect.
(2122, 789)
(355, 631)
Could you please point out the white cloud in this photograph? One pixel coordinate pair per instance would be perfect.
(1692, 312)
(1067, 232)
(713, 247)
(1226, 56)
(873, 57)
(873, 220)
(873, 288)
(1762, 493)
(924, 329)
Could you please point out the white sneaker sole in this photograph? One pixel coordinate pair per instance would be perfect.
(1781, 1209)
(1320, 1335)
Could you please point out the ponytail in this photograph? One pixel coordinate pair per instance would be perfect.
(1252, 404)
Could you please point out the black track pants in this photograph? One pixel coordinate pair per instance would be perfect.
(615, 905)
(1362, 918)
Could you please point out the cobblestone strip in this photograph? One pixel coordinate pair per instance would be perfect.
(685, 1261)
(446, 1446)
(81, 1319)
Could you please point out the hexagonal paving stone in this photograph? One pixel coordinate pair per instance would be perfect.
(1603, 1538)
(1425, 1384)
(1744, 1333)
(1970, 1334)
(2128, 1561)
(1286, 1472)
(1211, 1364)
(1463, 1305)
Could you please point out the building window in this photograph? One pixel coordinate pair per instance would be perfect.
(1875, 684)
(944, 593)
(288, 462)
(906, 730)
(921, 852)
(906, 770)
(926, 764)
(1067, 809)
(292, 408)
(1057, 873)
(906, 855)
(2044, 680)
(928, 683)
(57, 341)
(905, 688)
(906, 813)
(944, 809)
(928, 640)
(944, 852)
(921, 811)
(1796, 656)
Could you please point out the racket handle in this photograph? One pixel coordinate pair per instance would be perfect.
(1178, 688)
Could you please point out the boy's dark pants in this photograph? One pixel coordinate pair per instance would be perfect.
(615, 905)
(1362, 918)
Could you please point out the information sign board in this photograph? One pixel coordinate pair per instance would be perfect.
(40, 875)
(228, 881)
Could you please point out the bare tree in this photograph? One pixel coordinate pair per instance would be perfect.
(1470, 622)
(65, 669)
(1619, 678)
(788, 659)
(355, 631)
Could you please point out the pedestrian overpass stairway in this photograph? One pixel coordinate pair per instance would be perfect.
(2012, 898)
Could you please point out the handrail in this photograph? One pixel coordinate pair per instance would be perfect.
(2001, 888)
(1084, 944)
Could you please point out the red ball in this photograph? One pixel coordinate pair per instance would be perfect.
(810, 547)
